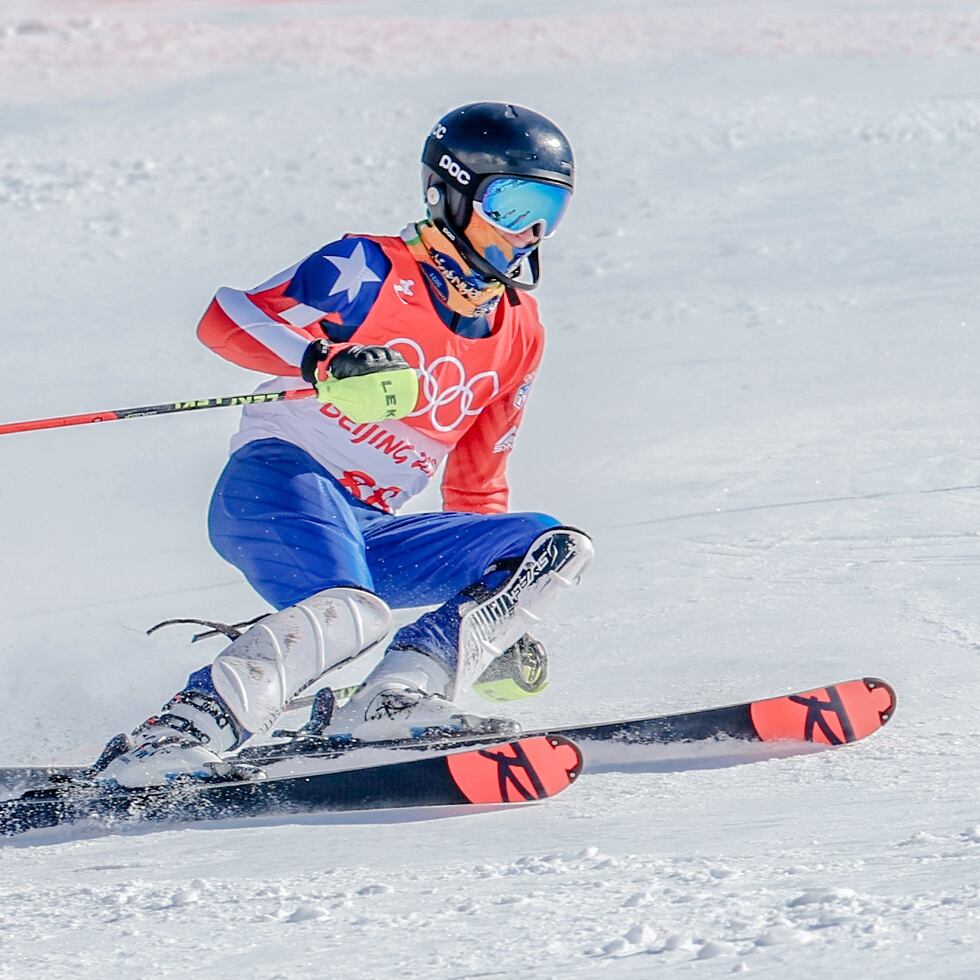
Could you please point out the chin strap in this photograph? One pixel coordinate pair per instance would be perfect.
(532, 261)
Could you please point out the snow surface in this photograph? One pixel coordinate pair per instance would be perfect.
(760, 396)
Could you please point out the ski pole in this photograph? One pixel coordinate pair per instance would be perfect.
(116, 414)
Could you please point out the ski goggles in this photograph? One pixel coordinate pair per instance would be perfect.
(514, 204)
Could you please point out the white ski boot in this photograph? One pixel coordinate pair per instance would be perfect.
(184, 740)
(246, 689)
(411, 694)
(402, 698)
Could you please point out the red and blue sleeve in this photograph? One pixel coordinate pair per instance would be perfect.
(268, 328)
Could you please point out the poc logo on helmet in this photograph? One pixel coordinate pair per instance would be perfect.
(454, 169)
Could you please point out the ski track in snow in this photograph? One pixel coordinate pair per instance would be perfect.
(776, 221)
(551, 912)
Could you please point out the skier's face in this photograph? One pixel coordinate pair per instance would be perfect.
(530, 236)
(504, 250)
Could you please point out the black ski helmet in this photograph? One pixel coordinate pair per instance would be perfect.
(476, 143)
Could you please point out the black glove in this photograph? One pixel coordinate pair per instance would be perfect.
(358, 360)
(316, 352)
(350, 363)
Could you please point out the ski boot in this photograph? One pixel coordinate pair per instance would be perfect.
(247, 687)
(184, 741)
(402, 699)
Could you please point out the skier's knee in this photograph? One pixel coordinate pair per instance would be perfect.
(539, 522)
(523, 529)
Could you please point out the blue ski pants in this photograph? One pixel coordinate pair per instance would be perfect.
(292, 530)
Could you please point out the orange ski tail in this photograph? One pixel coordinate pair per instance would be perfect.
(523, 770)
(834, 715)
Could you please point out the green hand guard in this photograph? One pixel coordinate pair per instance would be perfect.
(521, 671)
(505, 689)
(375, 397)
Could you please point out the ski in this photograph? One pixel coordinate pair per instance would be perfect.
(825, 717)
(837, 714)
(519, 770)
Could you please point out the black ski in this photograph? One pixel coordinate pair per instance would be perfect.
(837, 714)
(520, 770)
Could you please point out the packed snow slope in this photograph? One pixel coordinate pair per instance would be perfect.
(760, 396)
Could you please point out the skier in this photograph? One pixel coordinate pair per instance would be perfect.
(422, 349)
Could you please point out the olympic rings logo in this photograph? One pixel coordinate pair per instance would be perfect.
(446, 395)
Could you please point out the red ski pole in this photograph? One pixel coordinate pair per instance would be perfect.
(134, 413)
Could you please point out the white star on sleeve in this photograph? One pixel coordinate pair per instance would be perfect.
(354, 272)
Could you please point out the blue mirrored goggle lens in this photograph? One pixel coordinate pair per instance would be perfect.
(514, 204)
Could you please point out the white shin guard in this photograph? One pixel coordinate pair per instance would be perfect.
(284, 653)
(488, 626)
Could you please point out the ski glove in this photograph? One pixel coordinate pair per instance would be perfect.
(367, 384)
